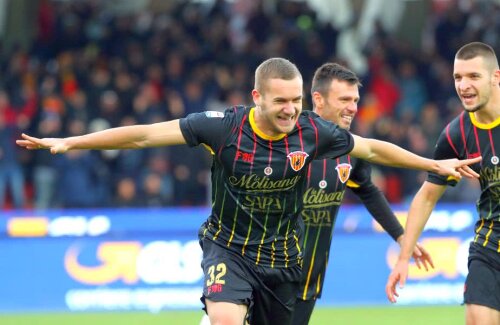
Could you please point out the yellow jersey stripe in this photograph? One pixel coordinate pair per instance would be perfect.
(478, 229)
(488, 234)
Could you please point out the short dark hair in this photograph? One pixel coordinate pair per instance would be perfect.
(275, 68)
(471, 50)
(332, 71)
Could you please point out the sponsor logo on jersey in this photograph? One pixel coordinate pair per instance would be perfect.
(254, 183)
(322, 183)
(245, 156)
(297, 159)
(473, 155)
(343, 170)
(214, 114)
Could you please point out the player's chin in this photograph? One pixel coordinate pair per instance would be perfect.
(285, 126)
(345, 126)
(471, 108)
(286, 129)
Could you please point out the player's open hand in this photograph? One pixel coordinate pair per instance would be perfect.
(422, 257)
(458, 168)
(55, 145)
(398, 275)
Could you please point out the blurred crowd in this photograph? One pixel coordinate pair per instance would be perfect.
(88, 70)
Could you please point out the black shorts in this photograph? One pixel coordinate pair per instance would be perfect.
(303, 311)
(269, 293)
(482, 286)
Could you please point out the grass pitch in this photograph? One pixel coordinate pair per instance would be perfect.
(435, 315)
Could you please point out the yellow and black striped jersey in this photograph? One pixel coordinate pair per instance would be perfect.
(326, 183)
(258, 181)
(465, 137)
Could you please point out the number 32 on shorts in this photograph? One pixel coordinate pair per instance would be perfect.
(216, 274)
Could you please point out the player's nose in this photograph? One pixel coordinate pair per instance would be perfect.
(463, 84)
(353, 107)
(289, 108)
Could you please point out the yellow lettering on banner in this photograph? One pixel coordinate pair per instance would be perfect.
(118, 262)
(444, 254)
(28, 227)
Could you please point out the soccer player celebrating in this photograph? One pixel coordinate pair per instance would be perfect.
(475, 132)
(335, 96)
(250, 241)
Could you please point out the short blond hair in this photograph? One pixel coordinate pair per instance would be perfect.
(275, 68)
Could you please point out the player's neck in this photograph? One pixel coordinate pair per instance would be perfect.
(490, 113)
(260, 127)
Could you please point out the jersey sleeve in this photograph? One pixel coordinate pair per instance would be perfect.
(361, 173)
(375, 202)
(445, 149)
(333, 140)
(206, 128)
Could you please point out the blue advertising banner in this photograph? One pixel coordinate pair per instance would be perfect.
(362, 257)
(138, 259)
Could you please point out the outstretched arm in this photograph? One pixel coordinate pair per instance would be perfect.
(127, 137)
(420, 209)
(389, 154)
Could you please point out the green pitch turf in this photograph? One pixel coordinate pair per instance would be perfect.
(438, 315)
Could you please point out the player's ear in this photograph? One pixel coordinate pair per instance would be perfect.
(496, 77)
(318, 100)
(257, 97)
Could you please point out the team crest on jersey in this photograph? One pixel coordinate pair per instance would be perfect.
(322, 184)
(268, 171)
(494, 160)
(297, 159)
(214, 114)
(343, 170)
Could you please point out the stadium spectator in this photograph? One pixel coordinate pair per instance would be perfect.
(121, 52)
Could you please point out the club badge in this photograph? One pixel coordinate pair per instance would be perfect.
(297, 159)
(343, 170)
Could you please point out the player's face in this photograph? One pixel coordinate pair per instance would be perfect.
(278, 106)
(341, 104)
(473, 83)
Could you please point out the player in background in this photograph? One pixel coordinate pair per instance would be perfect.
(475, 132)
(251, 250)
(335, 96)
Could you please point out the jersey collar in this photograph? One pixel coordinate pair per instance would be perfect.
(480, 125)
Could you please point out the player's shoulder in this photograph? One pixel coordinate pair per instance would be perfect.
(461, 119)
(458, 124)
(359, 163)
(236, 110)
(310, 117)
(233, 113)
(307, 114)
